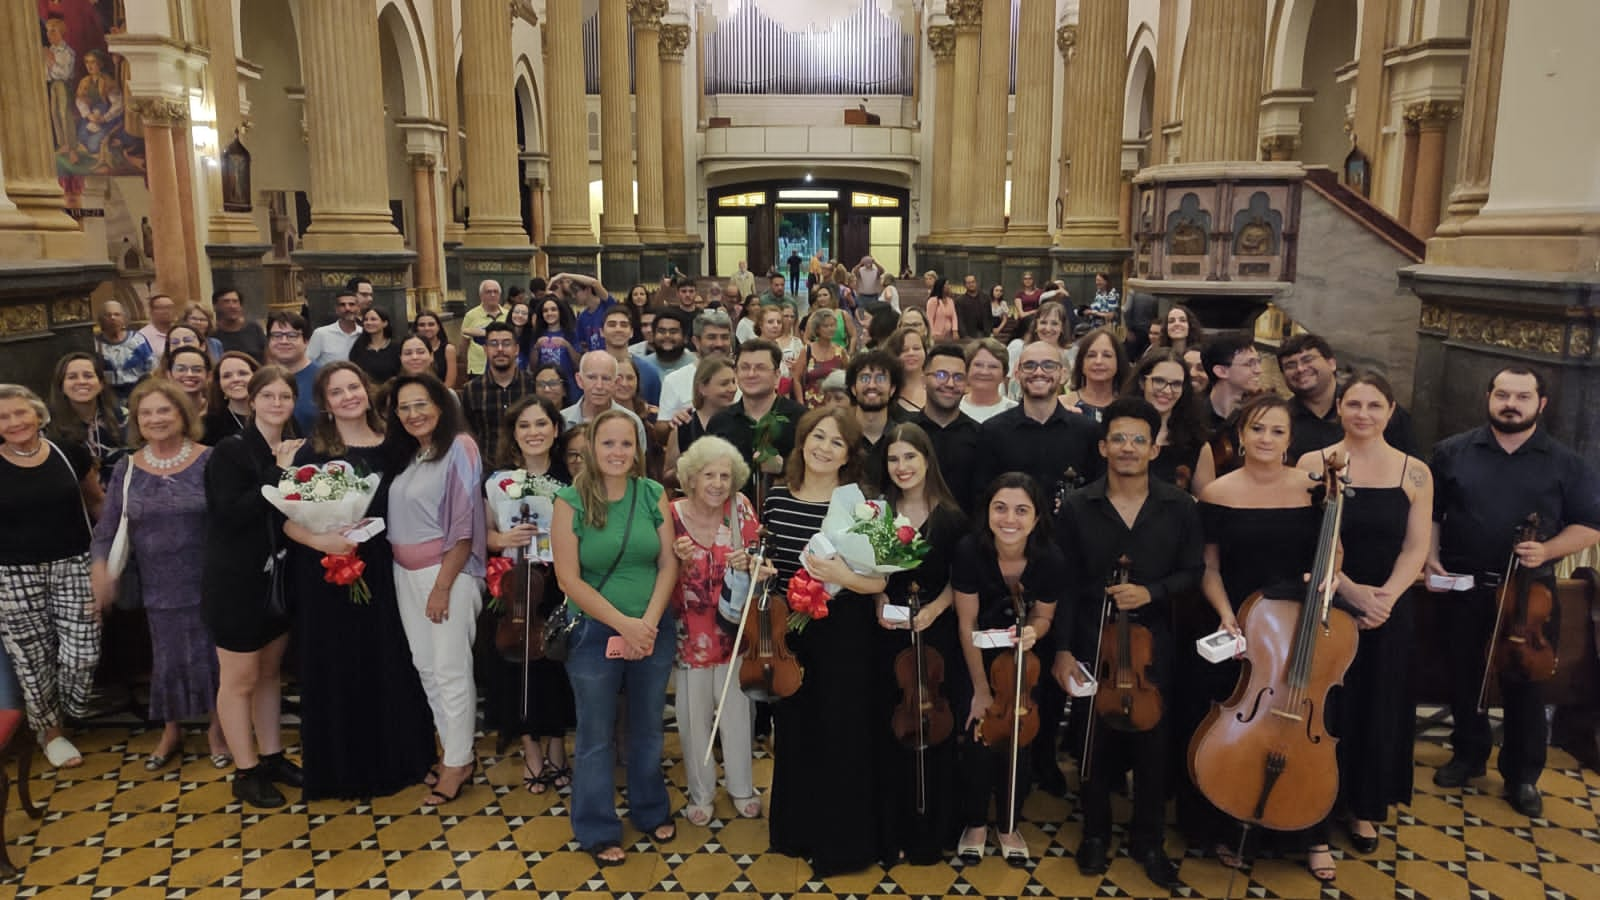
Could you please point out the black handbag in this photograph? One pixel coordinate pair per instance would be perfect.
(559, 627)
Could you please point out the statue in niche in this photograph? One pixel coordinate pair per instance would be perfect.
(236, 177)
(147, 237)
(1358, 172)
(1256, 229)
(1187, 228)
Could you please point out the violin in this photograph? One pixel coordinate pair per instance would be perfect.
(1520, 645)
(1128, 699)
(1012, 717)
(1265, 756)
(923, 718)
(767, 669)
(518, 636)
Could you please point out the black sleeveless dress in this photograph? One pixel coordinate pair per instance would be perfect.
(1375, 716)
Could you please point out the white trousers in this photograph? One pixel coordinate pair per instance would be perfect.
(696, 703)
(442, 654)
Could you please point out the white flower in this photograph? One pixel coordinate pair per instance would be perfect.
(286, 486)
(321, 490)
(514, 491)
(901, 520)
(866, 512)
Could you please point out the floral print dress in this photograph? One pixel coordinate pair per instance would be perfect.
(702, 640)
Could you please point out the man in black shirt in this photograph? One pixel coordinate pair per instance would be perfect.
(954, 434)
(1157, 528)
(874, 379)
(1041, 437)
(233, 330)
(1235, 369)
(756, 367)
(1312, 374)
(1487, 481)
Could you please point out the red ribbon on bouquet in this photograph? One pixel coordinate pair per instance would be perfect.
(497, 568)
(808, 600)
(347, 569)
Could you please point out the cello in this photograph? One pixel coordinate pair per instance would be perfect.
(1128, 698)
(923, 718)
(1012, 717)
(1264, 756)
(1520, 644)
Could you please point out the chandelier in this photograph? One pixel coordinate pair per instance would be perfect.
(817, 15)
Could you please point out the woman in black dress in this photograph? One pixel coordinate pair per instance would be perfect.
(1012, 547)
(375, 350)
(1261, 531)
(1162, 380)
(915, 489)
(243, 537)
(825, 805)
(84, 410)
(1388, 522)
(228, 410)
(366, 730)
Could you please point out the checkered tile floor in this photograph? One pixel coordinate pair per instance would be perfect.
(113, 830)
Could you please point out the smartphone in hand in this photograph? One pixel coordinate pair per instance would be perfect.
(615, 647)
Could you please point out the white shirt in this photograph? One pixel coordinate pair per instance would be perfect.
(573, 416)
(330, 343)
(984, 413)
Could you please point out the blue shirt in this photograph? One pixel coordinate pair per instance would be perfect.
(589, 322)
(305, 404)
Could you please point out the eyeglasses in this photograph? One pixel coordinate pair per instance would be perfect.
(544, 383)
(500, 345)
(1121, 439)
(1164, 385)
(940, 376)
(286, 336)
(1048, 366)
(872, 378)
(414, 407)
(1253, 362)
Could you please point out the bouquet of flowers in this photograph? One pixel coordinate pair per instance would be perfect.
(323, 499)
(868, 536)
(509, 491)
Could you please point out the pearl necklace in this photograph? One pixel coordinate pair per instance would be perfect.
(25, 454)
(158, 463)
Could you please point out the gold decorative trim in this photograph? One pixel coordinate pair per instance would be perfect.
(646, 14)
(29, 318)
(1279, 146)
(1580, 344)
(1511, 334)
(967, 14)
(1432, 113)
(159, 110)
(942, 41)
(68, 310)
(674, 42)
(1066, 39)
(1435, 318)
(332, 279)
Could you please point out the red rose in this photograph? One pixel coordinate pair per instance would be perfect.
(905, 534)
(305, 474)
(507, 482)
(294, 496)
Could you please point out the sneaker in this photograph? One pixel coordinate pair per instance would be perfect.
(252, 787)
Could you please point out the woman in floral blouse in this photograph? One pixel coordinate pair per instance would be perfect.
(714, 524)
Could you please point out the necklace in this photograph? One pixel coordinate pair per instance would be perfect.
(25, 454)
(171, 462)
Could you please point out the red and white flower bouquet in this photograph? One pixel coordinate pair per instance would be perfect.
(325, 499)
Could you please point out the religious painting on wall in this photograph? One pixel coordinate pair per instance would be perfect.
(92, 129)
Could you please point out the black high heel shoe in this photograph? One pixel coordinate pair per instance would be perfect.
(1365, 845)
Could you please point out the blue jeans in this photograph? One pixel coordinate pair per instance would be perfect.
(596, 682)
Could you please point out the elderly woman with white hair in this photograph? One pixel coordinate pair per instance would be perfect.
(714, 523)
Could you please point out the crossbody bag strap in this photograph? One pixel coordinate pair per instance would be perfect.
(627, 530)
(77, 483)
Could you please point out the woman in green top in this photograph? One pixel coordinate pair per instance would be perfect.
(612, 539)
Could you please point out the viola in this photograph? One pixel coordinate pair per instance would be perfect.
(922, 719)
(1521, 645)
(1265, 756)
(1128, 699)
(518, 635)
(1012, 718)
(767, 669)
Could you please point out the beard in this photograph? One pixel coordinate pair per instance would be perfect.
(1496, 423)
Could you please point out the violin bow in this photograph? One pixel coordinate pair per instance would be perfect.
(914, 600)
(757, 561)
(1088, 729)
(1019, 609)
(525, 558)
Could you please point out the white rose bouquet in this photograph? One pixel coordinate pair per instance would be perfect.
(510, 490)
(323, 499)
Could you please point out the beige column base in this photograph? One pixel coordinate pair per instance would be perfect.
(350, 232)
(1027, 236)
(1091, 234)
(1559, 242)
(232, 228)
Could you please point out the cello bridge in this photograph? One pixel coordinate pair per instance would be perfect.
(1287, 715)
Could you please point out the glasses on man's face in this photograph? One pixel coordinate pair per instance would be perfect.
(1047, 366)
(1164, 385)
(285, 335)
(1122, 439)
(1253, 362)
(940, 376)
(188, 370)
(872, 378)
(501, 345)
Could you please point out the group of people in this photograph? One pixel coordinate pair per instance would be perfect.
(1057, 484)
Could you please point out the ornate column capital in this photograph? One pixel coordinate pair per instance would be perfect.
(1279, 146)
(160, 110)
(1432, 114)
(1067, 40)
(524, 10)
(967, 14)
(674, 41)
(422, 161)
(942, 41)
(646, 14)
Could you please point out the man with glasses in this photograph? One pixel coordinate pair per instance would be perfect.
(486, 397)
(953, 433)
(873, 379)
(597, 375)
(713, 339)
(332, 342)
(1156, 527)
(1235, 370)
(1312, 374)
(287, 334)
(756, 367)
(361, 286)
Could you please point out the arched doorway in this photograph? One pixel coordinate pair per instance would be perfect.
(769, 221)
(1322, 137)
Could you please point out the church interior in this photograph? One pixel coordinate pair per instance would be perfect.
(1414, 180)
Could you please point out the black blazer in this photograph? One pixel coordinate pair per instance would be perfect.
(241, 526)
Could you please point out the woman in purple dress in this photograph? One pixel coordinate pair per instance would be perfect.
(165, 500)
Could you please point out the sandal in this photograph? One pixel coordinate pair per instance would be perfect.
(432, 778)
(606, 862)
(698, 816)
(62, 754)
(560, 776)
(748, 807)
(534, 784)
(1325, 874)
(437, 797)
(221, 760)
(155, 762)
(669, 827)
(1227, 857)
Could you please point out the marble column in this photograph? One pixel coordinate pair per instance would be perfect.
(25, 141)
(646, 18)
(183, 161)
(1432, 118)
(1166, 77)
(684, 247)
(1408, 173)
(225, 226)
(496, 247)
(571, 244)
(423, 174)
(942, 41)
(994, 71)
(1222, 80)
(1091, 235)
(444, 36)
(352, 229)
(159, 118)
(968, 17)
(1479, 113)
(1067, 45)
(1026, 245)
(620, 265)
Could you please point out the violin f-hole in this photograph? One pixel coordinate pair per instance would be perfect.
(1254, 707)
